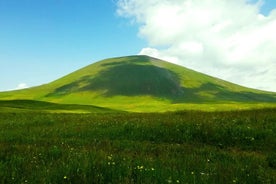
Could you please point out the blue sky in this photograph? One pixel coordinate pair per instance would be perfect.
(41, 41)
(268, 5)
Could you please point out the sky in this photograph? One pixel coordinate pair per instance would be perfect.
(41, 41)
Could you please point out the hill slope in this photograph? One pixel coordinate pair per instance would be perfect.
(139, 82)
(39, 106)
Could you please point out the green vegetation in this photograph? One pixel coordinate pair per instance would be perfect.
(175, 147)
(76, 129)
(142, 84)
(39, 106)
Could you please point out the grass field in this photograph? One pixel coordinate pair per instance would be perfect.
(176, 147)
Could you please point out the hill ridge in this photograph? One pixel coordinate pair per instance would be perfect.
(139, 80)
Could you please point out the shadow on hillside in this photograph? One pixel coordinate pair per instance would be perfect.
(135, 79)
(128, 79)
(210, 92)
(34, 105)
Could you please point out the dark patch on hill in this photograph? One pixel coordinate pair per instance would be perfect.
(128, 79)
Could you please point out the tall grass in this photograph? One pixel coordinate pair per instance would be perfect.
(182, 147)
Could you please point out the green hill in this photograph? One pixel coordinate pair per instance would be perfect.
(39, 106)
(142, 83)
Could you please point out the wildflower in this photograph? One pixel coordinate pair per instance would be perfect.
(169, 180)
(152, 169)
(177, 181)
(192, 173)
(111, 163)
(65, 177)
(140, 167)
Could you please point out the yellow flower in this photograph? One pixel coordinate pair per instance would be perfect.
(140, 167)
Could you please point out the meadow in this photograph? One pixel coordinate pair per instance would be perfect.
(174, 147)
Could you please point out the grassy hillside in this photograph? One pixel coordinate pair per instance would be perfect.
(141, 83)
(40, 106)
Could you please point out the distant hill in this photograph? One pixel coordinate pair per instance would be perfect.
(39, 106)
(140, 82)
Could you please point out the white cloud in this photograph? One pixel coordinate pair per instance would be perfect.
(227, 39)
(22, 86)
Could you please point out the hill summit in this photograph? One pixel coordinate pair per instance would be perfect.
(139, 80)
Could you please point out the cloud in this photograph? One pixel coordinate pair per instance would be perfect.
(22, 86)
(231, 40)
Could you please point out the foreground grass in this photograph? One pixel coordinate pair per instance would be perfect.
(182, 147)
